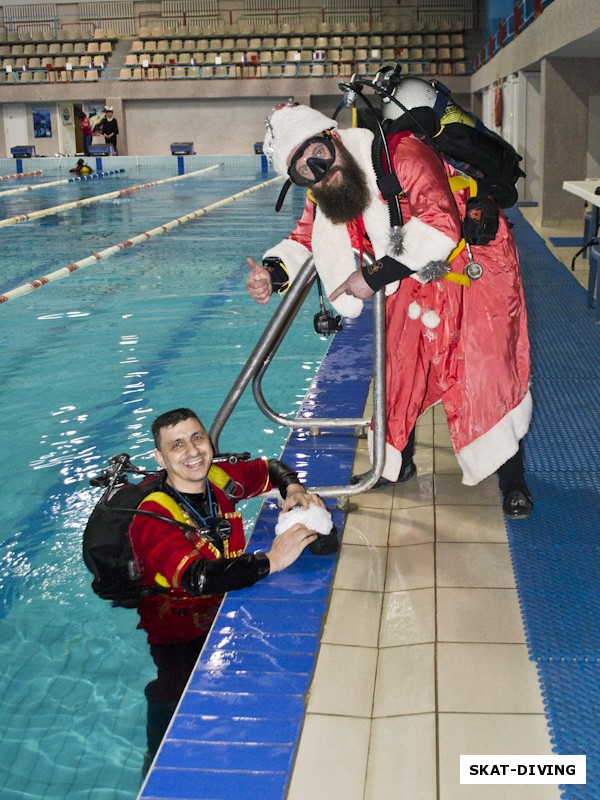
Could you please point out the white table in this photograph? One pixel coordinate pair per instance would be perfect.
(587, 191)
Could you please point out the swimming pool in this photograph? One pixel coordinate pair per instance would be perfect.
(88, 362)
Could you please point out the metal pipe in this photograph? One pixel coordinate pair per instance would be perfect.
(261, 357)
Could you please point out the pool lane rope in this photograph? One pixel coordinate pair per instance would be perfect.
(60, 182)
(86, 201)
(64, 272)
(20, 175)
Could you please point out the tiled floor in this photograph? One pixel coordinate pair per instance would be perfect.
(423, 655)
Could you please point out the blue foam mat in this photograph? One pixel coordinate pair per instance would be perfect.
(566, 241)
(556, 553)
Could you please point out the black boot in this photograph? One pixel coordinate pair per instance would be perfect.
(517, 502)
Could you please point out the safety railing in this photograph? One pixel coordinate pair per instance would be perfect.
(262, 356)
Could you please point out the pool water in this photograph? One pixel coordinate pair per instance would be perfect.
(87, 363)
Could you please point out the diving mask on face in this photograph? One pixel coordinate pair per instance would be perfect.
(318, 165)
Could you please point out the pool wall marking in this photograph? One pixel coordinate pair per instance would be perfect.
(64, 272)
(86, 201)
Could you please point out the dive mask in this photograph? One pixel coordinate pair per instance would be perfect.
(318, 165)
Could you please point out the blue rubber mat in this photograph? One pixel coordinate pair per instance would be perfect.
(239, 722)
(566, 241)
(556, 553)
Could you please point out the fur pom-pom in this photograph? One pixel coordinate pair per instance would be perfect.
(414, 310)
(396, 245)
(430, 319)
(433, 271)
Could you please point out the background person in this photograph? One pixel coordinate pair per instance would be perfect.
(86, 129)
(110, 128)
(188, 573)
(466, 346)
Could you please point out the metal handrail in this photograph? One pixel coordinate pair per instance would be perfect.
(261, 357)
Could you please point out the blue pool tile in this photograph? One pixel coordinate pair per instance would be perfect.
(227, 756)
(221, 728)
(261, 662)
(277, 616)
(237, 606)
(173, 784)
(246, 705)
(258, 642)
(249, 682)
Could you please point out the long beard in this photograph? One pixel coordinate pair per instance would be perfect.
(349, 197)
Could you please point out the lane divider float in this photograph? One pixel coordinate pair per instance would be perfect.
(62, 181)
(64, 272)
(21, 175)
(86, 201)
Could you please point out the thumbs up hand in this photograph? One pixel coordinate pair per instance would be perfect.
(259, 282)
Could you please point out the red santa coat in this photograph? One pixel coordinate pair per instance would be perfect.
(476, 359)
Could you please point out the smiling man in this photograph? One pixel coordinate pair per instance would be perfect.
(187, 571)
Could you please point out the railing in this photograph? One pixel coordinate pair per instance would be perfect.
(524, 13)
(262, 356)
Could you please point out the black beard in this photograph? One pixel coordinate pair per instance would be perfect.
(349, 198)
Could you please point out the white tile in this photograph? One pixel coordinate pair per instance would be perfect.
(445, 459)
(468, 523)
(483, 565)
(409, 567)
(405, 682)
(479, 615)
(367, 526)
(402, 759)
(412, 526)
(353, 618)
(408, 618)
(491, 734)
(378, 498)
(361, 568)
(449, 490)
(344, 681)
(487, 678)
(332, 759)
(424, 459)
(417, 492)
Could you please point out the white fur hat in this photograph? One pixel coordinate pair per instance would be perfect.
(287, 128)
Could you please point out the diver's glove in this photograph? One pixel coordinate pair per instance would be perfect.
(280, 280)
(387, 270)
(383, 271)
(282, 476)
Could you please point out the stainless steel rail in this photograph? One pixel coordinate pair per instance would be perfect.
(262, 356)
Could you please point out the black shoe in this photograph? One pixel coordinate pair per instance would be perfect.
(408, 471)
(517, 504)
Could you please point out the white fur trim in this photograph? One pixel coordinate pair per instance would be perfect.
(393, 459)
(414, 310)
(430, 319)
(287, 128)
(292, 253)
(481, 458)
(334, 258)
(423, 243)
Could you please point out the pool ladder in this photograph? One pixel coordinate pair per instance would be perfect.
(261, 357)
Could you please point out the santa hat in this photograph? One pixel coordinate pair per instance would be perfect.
(287, 128)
